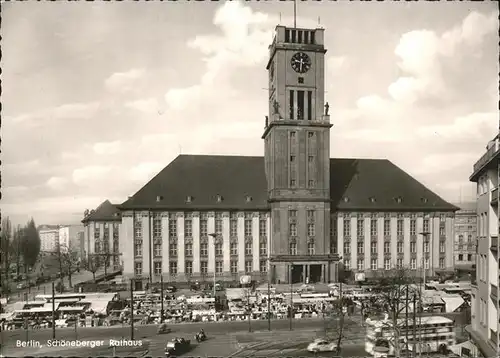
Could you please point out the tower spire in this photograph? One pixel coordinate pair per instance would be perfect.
(295, 13)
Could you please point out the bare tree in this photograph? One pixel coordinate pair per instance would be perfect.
(68, 257)
(92, 264)
(391, 299)
(106, 258)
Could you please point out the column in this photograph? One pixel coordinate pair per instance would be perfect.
(394, 240)
(127, 244)
(210, 248)
(323, 273)
(354, 242)
(368, 243)
(226, 254)
(380, 241)
(180, 244)
(241, 241)
(196, 243)
(255, 242)
(147, 270)
(211, 256)
(306, 105)
(165, 259)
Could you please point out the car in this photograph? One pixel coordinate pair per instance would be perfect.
(21, 286)
(322, 345)
(170, 289)
(177, 346)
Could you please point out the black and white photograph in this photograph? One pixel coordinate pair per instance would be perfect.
(250, 179)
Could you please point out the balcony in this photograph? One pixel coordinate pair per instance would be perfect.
(494, 197)
(494, 243)
(486, 159)
(494, 293)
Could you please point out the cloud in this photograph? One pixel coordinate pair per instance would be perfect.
(124, 81)
(107, 148)
(434, 163)
(57, 183)
(147, 105)
(85, 175)
(145, 171)
(62, 112)
(335, 63)
(472, 126)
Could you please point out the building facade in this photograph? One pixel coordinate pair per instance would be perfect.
(484, 329)
(290, 215)
(465, 236)
(49, 239)
(70, 239)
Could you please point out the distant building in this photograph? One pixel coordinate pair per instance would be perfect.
(69, 238)
(49, 237)
(102, 232)
(465, 236)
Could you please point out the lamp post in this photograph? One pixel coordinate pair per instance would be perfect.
(216, 241)
(425, 236)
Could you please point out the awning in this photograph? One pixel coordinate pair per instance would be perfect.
(71, 309)
(452, 303)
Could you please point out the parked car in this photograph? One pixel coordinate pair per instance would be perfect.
(322, 345)
(170, 289)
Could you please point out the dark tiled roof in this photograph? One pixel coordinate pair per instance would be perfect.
(104, 212)
(356, 184)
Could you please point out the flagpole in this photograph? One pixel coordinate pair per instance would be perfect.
(294, 13)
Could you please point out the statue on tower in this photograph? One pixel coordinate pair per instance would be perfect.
(267, 121)
(276, 107)
(327, 108)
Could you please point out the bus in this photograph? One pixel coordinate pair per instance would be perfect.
(434, 334)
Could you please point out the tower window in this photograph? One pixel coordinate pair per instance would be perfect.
(294, 36)
(312, 37)
(311, 183)
(292, 104)
(300, 105)
(292, 182)
(287, 35)
(292, 158)
(310, 134)
(310, 159)
(306, 37)
(299, 37)
(309, 105)
(292, 134)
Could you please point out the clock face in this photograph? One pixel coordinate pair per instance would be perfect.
(300, 62)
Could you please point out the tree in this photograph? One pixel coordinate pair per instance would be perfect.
(30, 244)
(390, 298)
(16, 247)
(93, 264)
(6, 250)
(106, 258)
(68, 261)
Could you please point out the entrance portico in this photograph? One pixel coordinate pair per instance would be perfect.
(303, 269)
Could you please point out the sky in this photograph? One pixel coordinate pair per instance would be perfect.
(98, 97)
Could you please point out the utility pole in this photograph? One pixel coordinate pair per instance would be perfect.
(269, 299)
(161, 298)
(132, 309)
(414, 325)
(406, 321)
(291, 296)
(53, 311)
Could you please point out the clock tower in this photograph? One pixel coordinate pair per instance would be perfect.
(297, 158)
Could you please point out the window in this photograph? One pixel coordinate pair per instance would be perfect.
(262, 227)
(442, 231)
(293, 229)
(204, 267)
(106, 231)
(460, 257)
(173, 268)
(387, 264)
(426, 263)
(263, 266)
(387, 227)
(400, 225)
(347, 247)
(426, 247)
(188, 227)
(234, 266)
(373, 227)
(173, 249)
(300, 105)
(310, 248)
(310, 159)
(172, 226)
(218, 223)
(137, 248)
(138, 268)
(292, 158)
(291, 105)
(361, 264)
(442, 247)
(469, 238)
(204, 249)
(137, 228)
(373, 247)
(292, 182)
(311, 230)
(309, 102)
(333, 226)
(218, 249)
(361, 227)
(333, 246)
(361, 247)
(347, 227)
(310, 183)
(460, 238)
(469, 257)
(203, 225)
(116, 246)
(399, 263)
(292, 213)
(97, 247)
(413, 227)
(189, 267)
(441, 262)
(293, 248)
(310, 215)
(413, 263)
(426, 225)
(233, 248)
(347, 264)
(248, 248)
(248, 266)
(157, 250)
(188, 249)
(373, 264)
(157, 268)
(157, 225)
(400, 247)
(413, 247)
(116, 231)
(442, 218)
(97, 233)
(218, 266)
(387, 247)
(248, 226)
(262, 248)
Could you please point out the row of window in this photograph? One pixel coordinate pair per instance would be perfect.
(387, 247)
(481, 267)
(461, 238)
(388, 264)
(462, 257)
(203, 227)
(103, 246)
(188, 267)
(482, 222)
(203, 252)
(105, 233)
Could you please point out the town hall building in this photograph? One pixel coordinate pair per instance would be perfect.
(290, 215)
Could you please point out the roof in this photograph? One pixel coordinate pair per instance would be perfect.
(466, 208)
(104, 212)
(196, 181)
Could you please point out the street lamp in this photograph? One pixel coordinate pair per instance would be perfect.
(216, 241)
(425, 236)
